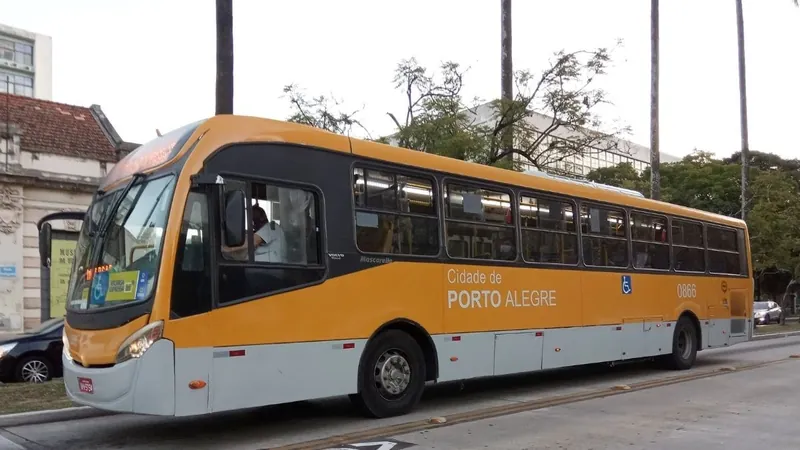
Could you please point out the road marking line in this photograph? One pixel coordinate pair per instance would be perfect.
(504, 410)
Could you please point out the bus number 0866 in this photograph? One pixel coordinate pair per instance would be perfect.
(687, 290)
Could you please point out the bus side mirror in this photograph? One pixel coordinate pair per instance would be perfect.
(235, 231)
(45, 244)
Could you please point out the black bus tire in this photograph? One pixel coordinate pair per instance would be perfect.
(391, 375)
(684, 345)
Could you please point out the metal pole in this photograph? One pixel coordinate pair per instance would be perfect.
(655, 151)
(745, 153)
(506, 68)
(224, 91)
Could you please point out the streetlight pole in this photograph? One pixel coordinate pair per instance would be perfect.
(224, 88)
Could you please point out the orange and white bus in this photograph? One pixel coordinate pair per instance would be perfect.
(239, 262)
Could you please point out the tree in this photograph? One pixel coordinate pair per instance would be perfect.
(321, 112)
(773, 221)
(552, 115)
(622, 175)
(224, 87)
(703, 182)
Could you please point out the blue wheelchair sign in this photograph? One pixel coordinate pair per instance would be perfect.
(627, 285)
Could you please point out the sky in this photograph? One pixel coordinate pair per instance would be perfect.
(150, 64)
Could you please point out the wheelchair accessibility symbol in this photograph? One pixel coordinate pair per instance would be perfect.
(627, 286)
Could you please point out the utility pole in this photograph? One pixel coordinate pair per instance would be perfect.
(506, 70)
(655, 152)
(224, 90)
(745, 153)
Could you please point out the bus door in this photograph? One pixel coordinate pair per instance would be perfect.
(189, 323)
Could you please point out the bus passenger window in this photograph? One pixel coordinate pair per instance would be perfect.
(479, 221)
(723, 251)
(395, 213)
(548, 231)
(605, 241)
(650, 242)
(688, 246)
(284, 229)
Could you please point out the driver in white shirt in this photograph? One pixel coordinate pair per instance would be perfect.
(269, 239)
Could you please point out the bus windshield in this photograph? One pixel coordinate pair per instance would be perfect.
(130, 249)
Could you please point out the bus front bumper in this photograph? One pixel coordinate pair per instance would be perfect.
(143, 385)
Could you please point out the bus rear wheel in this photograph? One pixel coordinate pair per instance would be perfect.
(392, 375)
(684, 345)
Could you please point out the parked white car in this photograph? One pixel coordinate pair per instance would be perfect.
(765, 313)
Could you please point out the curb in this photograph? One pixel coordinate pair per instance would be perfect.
(765, 337)
(50, 415)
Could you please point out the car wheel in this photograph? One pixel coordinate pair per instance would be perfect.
(34, 369)
(392, 375)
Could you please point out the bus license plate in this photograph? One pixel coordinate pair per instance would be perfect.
(85, 385)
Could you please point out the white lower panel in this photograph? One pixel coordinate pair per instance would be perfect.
(192, 364)
(251, 376)
(257, 375)
(518, 352)
(719, 333)
(144, 385)
(473, 355)
(581, 345)
(465, 356)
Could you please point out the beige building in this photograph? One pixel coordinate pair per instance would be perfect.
(52, 158)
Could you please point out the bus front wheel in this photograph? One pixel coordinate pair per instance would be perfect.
(392, 375)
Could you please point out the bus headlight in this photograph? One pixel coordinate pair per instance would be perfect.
(65, 344)
(140, 341)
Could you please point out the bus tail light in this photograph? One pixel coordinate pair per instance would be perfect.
(140, 341)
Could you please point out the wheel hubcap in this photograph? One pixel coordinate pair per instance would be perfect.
(34, 372)
(392, 374)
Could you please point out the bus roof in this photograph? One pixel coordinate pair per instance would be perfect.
(254, 129)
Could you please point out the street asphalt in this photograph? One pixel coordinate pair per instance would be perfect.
(729, 409)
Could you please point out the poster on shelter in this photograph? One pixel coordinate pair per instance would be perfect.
(61, 264)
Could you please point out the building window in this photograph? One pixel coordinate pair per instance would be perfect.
(19, 52)
(16, 84)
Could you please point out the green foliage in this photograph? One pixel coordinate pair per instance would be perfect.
(320, 111)
(702, 182)
(774, 221)
(622, 175)
(559, 102)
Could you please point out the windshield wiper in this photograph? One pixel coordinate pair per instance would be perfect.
(108, 217)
